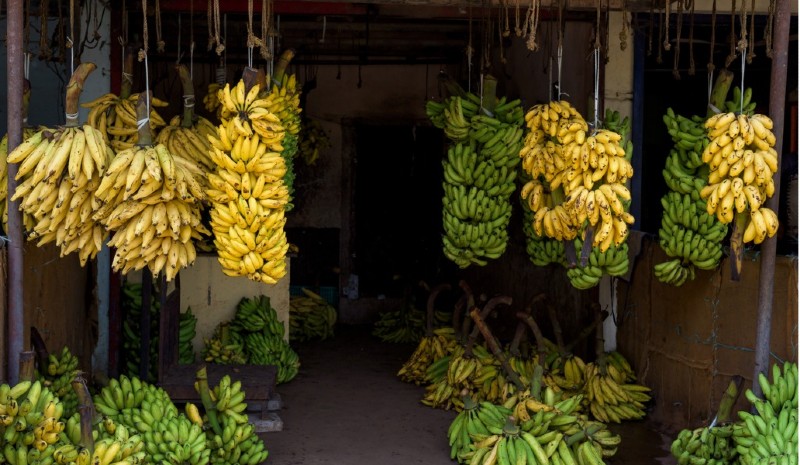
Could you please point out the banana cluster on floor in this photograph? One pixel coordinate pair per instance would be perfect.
(770, 434)
(479, 174)
(187, 330)
(255, 336)
(689, 235)
(310, 317)
(247, 190)
(528, 430)
(58, 375)
(574, 181)
(405, 324)
(441, 343)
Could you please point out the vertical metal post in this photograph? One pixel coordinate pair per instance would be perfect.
(15, 79)
(777, 107)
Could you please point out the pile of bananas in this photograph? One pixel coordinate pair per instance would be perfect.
(474, 419)
(247, 191)
(310, 317)
(30, 423)
(613, 262)
(770, 436)
(115, 117)
(706, 445)
(187, 329)
(62, 169)
(430, 348)
(131, 329)
(449, 376)
(610, 397)
(187, 135)
(479, 174)
(175, 439)
(225, 346)
(562, 160)
(151, 204)
(312, 141)
(742, 162)
(263, 335)
(406, 324)
(58, 375)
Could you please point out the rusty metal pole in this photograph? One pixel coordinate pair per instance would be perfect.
(777, 108)
(15, 67)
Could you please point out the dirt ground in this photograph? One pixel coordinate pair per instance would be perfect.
(347, 407)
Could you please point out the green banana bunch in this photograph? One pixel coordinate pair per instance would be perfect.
(542, 250)
(674, 272)
(706, 445)
(264, 348)
(238, 444)
(60, 372)
(741, 103)
(313, 141)
(176, 441)
(131, 332)
(770, 436)
(613, 262)
(230, 399)
(187, 329)
(310, 317)
(449, 376)
(30, 423)
(475, 419)
(434, 347)
(403, 325)
(123, 397)
(614, 121)
(226, 346)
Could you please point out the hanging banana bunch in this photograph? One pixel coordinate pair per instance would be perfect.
(313, 140)
(187, 135)
(479, 172)
(247, 191)
(61, 169)
(27, 220)
(151, 203)
(283, 100)
(115, 115)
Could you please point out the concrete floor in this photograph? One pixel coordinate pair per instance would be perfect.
(347, 407)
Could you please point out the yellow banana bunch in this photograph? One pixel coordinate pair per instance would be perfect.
(561, 159)
(440, 344)
(247, 191)
(742, 164)
(151, 204)
(27, 221)
(61, 169)
(284, 102)
(210, 101)
(190, 142)
(613, 401)
(115, 118)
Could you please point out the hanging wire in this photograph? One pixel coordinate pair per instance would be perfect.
(710, 88)
(191, 40)
(143, 57)
(179, 39)
(691, 40)
(667, 45)
(678, 32)
(266, 24)
(596, 88)
(710, 65)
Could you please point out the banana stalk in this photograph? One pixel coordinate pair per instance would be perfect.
(205, 397)
(280, 69)
(494, 346)
(187, 120)
(737, 244)
(489, 96)
(87, 412)
(720, 91)
(145, 134)
(729, 398)
(27, 367)
(127, 71)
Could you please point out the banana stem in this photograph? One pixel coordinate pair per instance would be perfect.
(470, 304)
(127, 72)
(430, 308)
(487, 309)
(519, 333)
(27, 366)
(280, 69)
(145, 135)
(188, 96)
(737, 245)
(86, 410)
(559, 335)
(26, 100)
(458, 309)
(583, 434)
(74, 89)
(205, 397)
(494, 346)
(729, 398)
(586, 250)
(720, 91)
(586, 332)
(489, 97)
(536, 380)
(42, 354)
(600, 349)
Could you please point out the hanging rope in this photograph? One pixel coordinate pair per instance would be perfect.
(62, 35)
(143, 57)
(560, 50)
(691, 40)
(667, 45)
(44, 44)
(752, 53)
(517, 23)
(710, 64)
(732, 36)
(500, 34)
(659, 58)
(178, 61)
(488, 25)
(768, 29)
(623, 34)
(266, 20)
(252, 40)
(191, 40)
(676, 73)
(26, 36)
(469, 50)
(210, 16)
(533, 21)
(507, 14)
(597, 33)
(650, 30)
(160, 45)
(214, 19)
